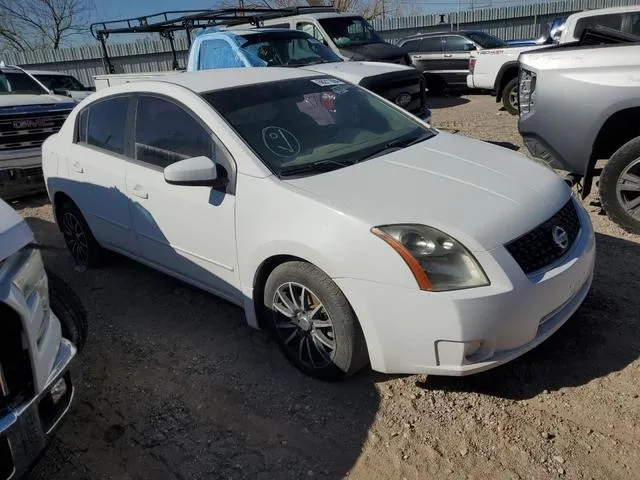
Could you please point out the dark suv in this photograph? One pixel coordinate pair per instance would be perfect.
(444, 56)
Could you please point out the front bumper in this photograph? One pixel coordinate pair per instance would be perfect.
(21, 172)
(467, 331)
(26, 430)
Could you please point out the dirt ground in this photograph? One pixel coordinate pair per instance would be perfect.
(176, 386)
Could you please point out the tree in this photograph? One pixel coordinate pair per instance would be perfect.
(30, 24)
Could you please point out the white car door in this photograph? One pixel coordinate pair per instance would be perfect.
(187, 231)
(96, 180)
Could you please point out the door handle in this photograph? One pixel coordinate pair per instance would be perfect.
(448, 55)
(138, 191)
(75, 166)
(417, 57)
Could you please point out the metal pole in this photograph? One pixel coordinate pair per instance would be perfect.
(458, 15)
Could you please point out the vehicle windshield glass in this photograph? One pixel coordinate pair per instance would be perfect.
(315, 124)
(13, 82)
(486, 41)
(347, 31)
(287, 49)
(62, 82)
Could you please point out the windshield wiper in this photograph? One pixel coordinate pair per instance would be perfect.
(398, 144)
(313, 167)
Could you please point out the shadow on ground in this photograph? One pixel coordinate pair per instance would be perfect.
(598, 340)
(435, 102)
(176, 385)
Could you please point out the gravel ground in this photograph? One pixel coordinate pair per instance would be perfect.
(175, 385)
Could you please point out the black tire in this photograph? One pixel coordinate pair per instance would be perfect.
(69, 309)
(613, 170)
(75, 229)
(511, 88)
(349, 354)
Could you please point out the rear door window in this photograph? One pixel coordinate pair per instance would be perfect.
(431, 45)
(411, 46)
(456, 43)
(105, 124)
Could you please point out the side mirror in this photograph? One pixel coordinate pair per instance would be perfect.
(61, 91)
(90, 89)
(197, 171)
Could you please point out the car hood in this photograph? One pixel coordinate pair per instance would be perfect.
(44, 99)
(14, 231)
(481, 194)
(354, 72)
(379, 52)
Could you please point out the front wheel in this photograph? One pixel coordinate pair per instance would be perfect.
(620, 186)
(510, 96)
(69, 310)
(313, 323)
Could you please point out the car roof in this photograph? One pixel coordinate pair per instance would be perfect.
(220, 79)
(604, 11)
(444, 32)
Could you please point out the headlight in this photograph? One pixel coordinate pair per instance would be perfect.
(438, 262)
(525, 90)
(30, 278)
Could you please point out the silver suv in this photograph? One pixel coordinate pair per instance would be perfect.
(580, 103)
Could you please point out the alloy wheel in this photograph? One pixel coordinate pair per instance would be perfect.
(75, 237)
(303, 324)
(628, 189)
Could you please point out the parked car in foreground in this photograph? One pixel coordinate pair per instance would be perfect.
(29, 113)
(62, 82)
(38, 318)
(594, 87)
(349, 228)
(444, 56)
(218, 48)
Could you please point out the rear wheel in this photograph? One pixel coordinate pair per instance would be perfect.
(620, 186)
(82, 245)
(510, 96)
(313, 322)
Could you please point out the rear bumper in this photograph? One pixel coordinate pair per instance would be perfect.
(28, 428)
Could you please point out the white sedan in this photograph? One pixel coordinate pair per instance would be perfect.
(350, 229)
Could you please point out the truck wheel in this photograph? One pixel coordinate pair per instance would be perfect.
(620, 186)
(313, 323)
(69, 310)
(510, 96)
(82, 245)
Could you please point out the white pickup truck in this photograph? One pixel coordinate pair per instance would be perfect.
(40, 317)
(497, 69)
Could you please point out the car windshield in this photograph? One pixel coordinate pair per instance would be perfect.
(486, 41)
(62, 82)
(287, 49)
(347, 31)
(311, 125)
(15, 83)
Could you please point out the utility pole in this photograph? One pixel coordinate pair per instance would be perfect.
(384, 11)
(240, 3)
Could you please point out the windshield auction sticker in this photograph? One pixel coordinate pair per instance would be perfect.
(327, 82)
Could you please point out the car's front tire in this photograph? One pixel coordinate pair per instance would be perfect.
(84, 248)
(69, 310)
(510, 96)
(620, 186)
(313, 323)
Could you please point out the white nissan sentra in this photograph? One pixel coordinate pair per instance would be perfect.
(351, 230)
